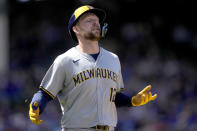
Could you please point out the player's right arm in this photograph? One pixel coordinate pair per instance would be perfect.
(51, 84)
(37, 105)
(34, 113)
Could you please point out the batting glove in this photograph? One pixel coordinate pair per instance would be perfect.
(34, 113)
(143, 97)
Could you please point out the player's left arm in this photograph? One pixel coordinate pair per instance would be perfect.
(122, 100)
(141, 98)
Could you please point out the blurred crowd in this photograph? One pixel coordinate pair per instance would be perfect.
(33, 47)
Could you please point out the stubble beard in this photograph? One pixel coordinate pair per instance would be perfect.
(92, 36)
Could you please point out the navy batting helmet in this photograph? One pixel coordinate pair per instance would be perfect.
(79, 12)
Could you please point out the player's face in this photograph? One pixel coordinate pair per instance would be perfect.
(89, 27)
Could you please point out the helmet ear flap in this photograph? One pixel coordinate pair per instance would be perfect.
(104, 30)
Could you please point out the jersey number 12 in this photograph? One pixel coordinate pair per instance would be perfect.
(112, 94)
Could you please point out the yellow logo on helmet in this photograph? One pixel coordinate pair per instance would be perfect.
(81, 10)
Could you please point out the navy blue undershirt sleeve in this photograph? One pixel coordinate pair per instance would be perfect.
(42, 98)
(122, 100)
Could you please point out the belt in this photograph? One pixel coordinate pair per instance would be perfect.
(101, 127)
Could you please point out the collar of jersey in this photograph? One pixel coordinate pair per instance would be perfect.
(89, 57)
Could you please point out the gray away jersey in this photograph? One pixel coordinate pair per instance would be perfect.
(85, 88)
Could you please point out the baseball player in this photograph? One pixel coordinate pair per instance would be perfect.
(86, 79)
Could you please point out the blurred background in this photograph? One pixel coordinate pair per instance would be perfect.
(156, 43)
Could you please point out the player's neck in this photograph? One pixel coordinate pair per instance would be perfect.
(89, 47)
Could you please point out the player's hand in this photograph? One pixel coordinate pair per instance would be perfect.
(143, 97)
(34, 113)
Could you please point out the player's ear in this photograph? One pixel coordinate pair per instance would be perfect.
(75, 29)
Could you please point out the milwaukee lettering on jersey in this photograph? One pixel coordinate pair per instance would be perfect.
(94, 73)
